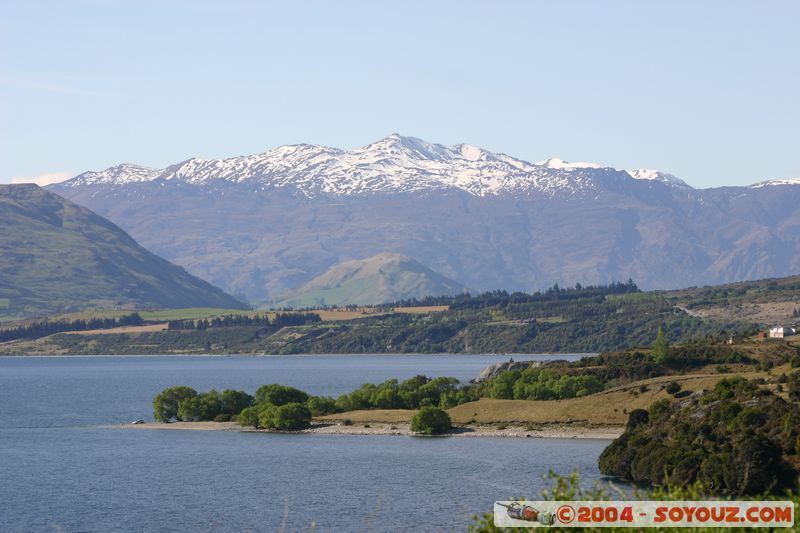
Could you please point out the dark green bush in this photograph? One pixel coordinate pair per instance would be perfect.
(288, 417)
(430, 421)
(793, 386)
(673, 387)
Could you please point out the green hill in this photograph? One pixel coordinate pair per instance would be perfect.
(379, 279)
(56, 256)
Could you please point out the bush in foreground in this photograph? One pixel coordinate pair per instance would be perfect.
(430, 421)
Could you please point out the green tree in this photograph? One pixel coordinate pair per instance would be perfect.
(280, 394)
(166, 402)
(430, 421)
(233, 401)
(321, 405)
(660, 347)
(288, 417)
(249, 417)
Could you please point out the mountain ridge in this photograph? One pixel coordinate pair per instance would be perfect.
(56, 256)
(264, 225)
(418, 165)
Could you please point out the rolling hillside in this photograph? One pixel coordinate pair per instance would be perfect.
(379, 279)
(56, 256)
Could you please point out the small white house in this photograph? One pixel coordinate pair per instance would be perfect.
(780, 332)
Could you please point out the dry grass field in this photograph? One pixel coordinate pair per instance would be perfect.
(149, 328)
(422, 309)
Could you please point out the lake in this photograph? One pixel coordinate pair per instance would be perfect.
(60, 471)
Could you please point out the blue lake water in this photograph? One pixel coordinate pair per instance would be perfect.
(59, 471)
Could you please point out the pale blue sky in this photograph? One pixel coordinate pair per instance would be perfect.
(709, 91)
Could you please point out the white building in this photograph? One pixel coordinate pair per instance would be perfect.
(780, 332)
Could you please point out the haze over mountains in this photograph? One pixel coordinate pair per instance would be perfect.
(56, 256)
(261, 226)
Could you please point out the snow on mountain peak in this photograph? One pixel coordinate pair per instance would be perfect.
(560, 164)
(118, 175)
(395, 164)
(656, 175)
(769, 183)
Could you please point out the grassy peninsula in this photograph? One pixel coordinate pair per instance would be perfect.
(700, 411)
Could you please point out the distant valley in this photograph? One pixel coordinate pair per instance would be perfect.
(263, 226)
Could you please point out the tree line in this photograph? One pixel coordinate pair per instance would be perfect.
(280, 320)
(51, 327)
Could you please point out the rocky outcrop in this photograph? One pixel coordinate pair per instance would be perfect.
(492, 371)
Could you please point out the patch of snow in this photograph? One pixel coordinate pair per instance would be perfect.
(770, 183)
(555, 162)
(656, 175)
(396, 164)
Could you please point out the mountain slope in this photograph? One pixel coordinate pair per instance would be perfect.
(265, 224)
(379, 279)
(56, 256)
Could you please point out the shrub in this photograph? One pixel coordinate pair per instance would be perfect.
(637, 418)
(222, 417)
(430, 421)
(288, 417)
(280, 395)
(166, 402)
(793, 386)
(673, 387)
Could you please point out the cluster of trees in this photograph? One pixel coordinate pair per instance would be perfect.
(280, 320)
(50, 327)
(735, 439)
(542, 384)
(413, 393)
(186, 404)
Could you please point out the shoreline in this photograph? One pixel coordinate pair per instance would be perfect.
(267, 355)
(545, 431)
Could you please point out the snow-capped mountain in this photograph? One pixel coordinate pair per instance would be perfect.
(392, 165)
(260, 226)
(769, 183)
